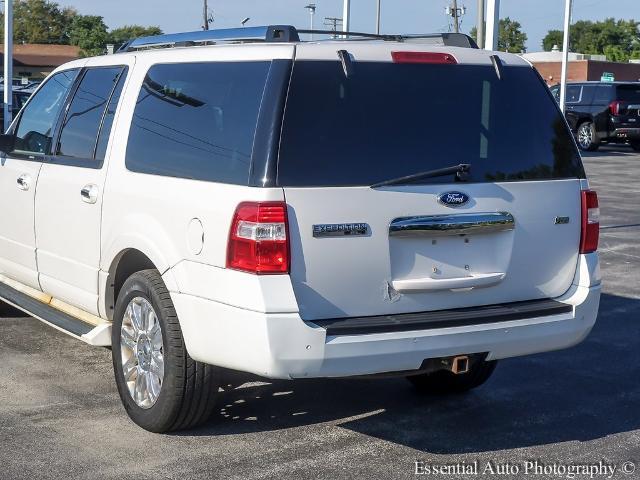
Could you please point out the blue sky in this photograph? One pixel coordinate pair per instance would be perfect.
(398, 16)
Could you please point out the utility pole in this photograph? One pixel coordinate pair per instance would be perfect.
(480, 24)
(378, 17)
(312, 11)
(493, 24)
(333, 22)
(565, 54)
(205, 16)
(8, 62)
(456, 25)
(456, 13)
(346, 16)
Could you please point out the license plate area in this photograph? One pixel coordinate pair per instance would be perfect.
(445, 257)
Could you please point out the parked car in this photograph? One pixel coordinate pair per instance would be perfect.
(20, 97)
(603, 112)
(295, 210)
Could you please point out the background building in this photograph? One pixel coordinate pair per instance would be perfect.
(35, 61)
(581, 67)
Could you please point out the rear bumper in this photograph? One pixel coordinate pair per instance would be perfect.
(623, 133)
(284, 346)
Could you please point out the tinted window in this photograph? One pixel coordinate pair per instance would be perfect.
(573, 93)
(628, 93)
(33, 134)
(84, 116)
(588, 92)
(555, 91)
(19, 99)
(389, 120)
(604, 95)
(197, 120)
(107, 122)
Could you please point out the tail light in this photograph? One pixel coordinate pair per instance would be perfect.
(258, 239)
(590, 222)
(423, 57)
(615, 107)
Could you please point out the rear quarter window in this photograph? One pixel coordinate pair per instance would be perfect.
(604, 95)
(391, 120)
(197, 120)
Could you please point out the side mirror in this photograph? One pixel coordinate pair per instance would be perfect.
(7, 143)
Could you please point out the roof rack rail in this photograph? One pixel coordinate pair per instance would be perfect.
(283, 33)
(271, 33)
(446, 39)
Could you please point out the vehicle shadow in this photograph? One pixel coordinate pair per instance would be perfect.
(612, 151)
(584, 393)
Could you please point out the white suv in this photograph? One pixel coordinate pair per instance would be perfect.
(244, 201)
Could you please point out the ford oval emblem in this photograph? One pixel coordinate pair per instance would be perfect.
(453, 199)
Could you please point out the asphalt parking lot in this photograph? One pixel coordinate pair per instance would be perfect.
(60, 415)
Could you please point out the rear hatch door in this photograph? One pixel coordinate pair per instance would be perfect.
(627, 106)
(509, 232)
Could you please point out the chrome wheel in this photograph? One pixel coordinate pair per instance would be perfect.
(141, 349)
(585, 135)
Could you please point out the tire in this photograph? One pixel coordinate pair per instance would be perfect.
(178, 396)
(586, 137)
(443, 382)
(636, 145)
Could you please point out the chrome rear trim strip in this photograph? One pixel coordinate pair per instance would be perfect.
(459, 224)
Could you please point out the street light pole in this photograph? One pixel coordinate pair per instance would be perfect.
(480, 24)
(493, 24)
(312, 11)
(346, 15)
(565, 54)
(8, 62)
(378, 17)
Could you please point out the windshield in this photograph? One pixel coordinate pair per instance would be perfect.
(390, 120)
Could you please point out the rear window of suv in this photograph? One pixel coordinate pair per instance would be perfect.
(390, 120)
(628, 93)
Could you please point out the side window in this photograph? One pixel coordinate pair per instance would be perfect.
(588, 92)
(573, 93)
(555, 91)
(79, 131)
(107, 122)
(36, 124)
(197, 120)
(604, 95)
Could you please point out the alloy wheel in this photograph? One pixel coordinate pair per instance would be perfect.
(142, 354)
(585, 135)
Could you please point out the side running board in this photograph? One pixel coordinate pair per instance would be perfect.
(98, 334)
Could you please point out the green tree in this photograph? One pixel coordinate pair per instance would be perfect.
(511, 38)
(618, 40)
(40, 21)
(89, 33)
(553, 37)
(118, 36)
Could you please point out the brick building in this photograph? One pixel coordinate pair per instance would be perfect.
(35, 61)
(581, 67)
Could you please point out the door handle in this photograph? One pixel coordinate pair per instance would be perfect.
(24, 181)
(479, 280)
(89, 193)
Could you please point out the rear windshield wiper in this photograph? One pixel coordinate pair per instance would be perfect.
(460, 171)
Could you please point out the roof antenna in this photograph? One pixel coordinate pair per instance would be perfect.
(497, 64)
(347, 62)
